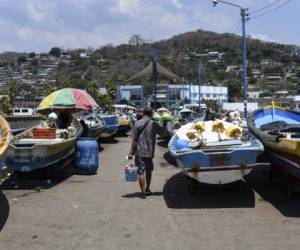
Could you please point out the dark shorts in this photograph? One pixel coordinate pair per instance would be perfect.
(144, 164)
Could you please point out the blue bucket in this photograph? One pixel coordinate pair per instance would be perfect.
(131, 173)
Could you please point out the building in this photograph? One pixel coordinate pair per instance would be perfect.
(254, 94)
(273, 77)
(296, 100)
(256, 73)
(133, 94)
(215, 56)
(233, 106)
(190, 94)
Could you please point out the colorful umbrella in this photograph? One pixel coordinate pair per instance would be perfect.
(68, 99)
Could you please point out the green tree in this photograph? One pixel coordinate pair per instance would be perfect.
(111, 87)
(32, 55)
(21, 59)
(55, 51)
(12, 89)
(5, 105)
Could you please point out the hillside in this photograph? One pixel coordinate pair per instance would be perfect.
(181, 54)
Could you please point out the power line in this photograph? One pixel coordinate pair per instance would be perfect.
(238, 28)
(271, 10)
(251, 4)
(265, 7)
(233, 26)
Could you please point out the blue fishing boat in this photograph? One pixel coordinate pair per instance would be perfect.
(279, 130)
(111, 125)
(214, 152)
(93, 125)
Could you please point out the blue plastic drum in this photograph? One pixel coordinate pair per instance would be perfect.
(87, 160)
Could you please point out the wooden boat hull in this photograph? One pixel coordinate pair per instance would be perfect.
(284, 152)
(5, 137)
(219, 165)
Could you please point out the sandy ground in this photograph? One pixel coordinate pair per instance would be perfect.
(71, 211)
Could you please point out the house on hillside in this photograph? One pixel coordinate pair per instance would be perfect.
(235, 69)
(266, 62)
(273, 77)
(215, 56)
(256, 73)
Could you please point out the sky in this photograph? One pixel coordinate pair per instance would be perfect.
(38, 25)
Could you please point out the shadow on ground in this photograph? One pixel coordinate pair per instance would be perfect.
(38, 180)
(170, 159)
(138, 195)
(274, 193)
(163, 143)
(4, 210)
(121, 134)
(179, 194)
(108, 140)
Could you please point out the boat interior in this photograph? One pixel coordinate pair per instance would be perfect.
(47, 135)
(278, 122)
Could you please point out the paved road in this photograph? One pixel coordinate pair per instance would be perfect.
(103, 212)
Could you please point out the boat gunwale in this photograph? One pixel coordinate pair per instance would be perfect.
(7, 137)
(231, 149)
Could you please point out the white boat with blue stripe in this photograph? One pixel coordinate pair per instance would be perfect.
(221, 156)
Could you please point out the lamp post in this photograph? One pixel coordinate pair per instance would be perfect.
(244, 16)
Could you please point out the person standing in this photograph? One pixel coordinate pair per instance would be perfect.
(143, 143)
(133, 118)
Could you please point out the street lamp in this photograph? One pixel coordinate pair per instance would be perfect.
(244, 16)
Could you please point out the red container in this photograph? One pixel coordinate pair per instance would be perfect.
(43, 133)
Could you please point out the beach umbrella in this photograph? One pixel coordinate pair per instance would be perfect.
(67, 99)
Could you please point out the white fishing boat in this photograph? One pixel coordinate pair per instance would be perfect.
(214, 152)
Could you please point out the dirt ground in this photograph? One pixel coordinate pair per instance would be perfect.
(69, 211)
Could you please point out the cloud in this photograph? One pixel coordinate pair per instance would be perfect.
(264, 37)
(38, 25)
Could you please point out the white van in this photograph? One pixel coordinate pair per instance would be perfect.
(22, 112)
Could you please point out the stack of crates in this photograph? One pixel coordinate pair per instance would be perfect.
(43, 133)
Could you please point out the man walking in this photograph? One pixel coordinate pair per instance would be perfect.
(143, 147)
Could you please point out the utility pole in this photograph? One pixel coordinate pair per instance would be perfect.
(154, 76)
(244, 16)
(244, 19)
(199, 84)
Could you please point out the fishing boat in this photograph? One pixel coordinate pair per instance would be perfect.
(111, 125)
(54, 140)
(214, 152)
(279, 130)
(123, 112)
(123, 123)
(41, 147)
(93, 125)
(5, 136)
